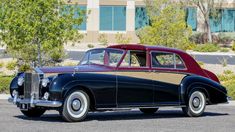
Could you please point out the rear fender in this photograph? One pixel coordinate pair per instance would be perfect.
(214, 92)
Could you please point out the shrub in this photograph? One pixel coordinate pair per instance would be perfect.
(121, 39)
(1, 64)
(206, 48)
(228, 72)
(228, 80)
(103, 39)
(224, 50)
(11, 65)
(233, 46)
(24, 68)
(5, 83)
(90, 46)
(201, 38)
(226, 38)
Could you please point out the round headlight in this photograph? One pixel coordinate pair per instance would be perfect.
(45, 81)
(20, 81)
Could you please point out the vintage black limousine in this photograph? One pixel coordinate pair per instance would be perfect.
(120, 76)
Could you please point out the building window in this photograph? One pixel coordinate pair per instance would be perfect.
(66, 10)
(112, 18)
(191, 14)
(228, 20)
(141, 17)
(82, 26)
(224, 21)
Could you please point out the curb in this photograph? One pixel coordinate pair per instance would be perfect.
(211, 53)
(4, 96)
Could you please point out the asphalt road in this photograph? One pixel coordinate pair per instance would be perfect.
(220, 118)
(208, 59)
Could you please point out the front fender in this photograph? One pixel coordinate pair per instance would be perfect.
(214, 91)
(63, 83)
(14, 84)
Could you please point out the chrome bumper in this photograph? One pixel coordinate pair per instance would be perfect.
(33, 103)
(229, 98)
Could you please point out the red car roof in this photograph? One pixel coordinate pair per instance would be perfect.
(145, 47)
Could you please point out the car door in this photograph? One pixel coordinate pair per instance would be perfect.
(167, 79)
(134, 85)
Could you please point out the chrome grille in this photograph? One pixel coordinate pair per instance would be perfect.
(31, 85)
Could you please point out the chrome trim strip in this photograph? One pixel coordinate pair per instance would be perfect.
(127, 108)
(43, 103)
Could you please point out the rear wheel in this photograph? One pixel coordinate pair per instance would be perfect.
(148, 110)
(196, 104)
(76, 106)
(34, 112)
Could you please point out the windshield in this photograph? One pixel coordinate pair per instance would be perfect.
(110, 57)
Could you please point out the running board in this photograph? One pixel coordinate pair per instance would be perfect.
(129, 108)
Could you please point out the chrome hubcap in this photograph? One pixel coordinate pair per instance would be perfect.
(196, 102)
(76, 104)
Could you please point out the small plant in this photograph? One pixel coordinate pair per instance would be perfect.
(24, 68)
(224, 50)
(11, 65)
(224, 61)
(201, 64)
(206, 48)
(228, 72)
(233, 46)
(1, 64)
(5, 83)
(90, 46)
(121, 39)
(103, 39)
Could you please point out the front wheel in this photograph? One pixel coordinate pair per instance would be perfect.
(148, 110)
(76, 106)
(196, 104)
(34, 112)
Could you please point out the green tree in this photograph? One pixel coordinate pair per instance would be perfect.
(34, 31)
(208, 8)
(167, 25)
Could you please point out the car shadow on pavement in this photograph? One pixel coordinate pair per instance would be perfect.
(121, 115)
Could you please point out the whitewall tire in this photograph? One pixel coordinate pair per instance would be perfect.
(196, 104)
(76, 106)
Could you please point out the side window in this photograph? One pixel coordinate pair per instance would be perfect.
(134, 59)
(179, 62)
(97, 57)
(114, 57)
(166, 60)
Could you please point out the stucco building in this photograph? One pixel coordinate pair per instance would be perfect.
(110, 17)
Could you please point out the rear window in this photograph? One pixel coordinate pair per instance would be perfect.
(167, 60)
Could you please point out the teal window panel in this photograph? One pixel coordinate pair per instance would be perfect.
(216, 22)
(141, 17)
(119, 15)
(82, 26)
(228, 19)
(191, 14)
(112, 18)
(106, 17)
